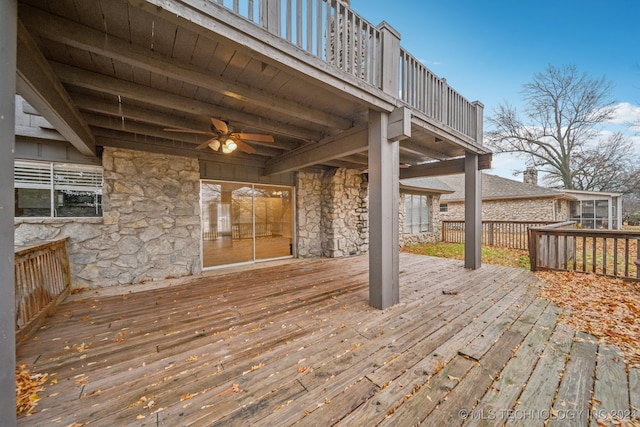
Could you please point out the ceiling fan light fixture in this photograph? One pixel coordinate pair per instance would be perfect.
(229, 146)
(214, 145)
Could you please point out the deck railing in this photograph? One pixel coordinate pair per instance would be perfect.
(606, 252)
(331, 31)
(507, 234)
(42, 280)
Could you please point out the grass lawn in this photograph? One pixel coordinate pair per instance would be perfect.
(490, 254)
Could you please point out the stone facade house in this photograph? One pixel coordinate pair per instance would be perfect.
(182, 135)
(509, 200)
(162, 140)
(150, 215)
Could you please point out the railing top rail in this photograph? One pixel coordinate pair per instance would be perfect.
(24, 250)
(556, 225)
(581, 232)
(457, 221)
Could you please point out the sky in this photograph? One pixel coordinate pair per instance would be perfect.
(488, 49)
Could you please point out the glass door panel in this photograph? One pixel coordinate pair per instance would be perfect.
(241, 223)
(224, 207)
(244, 223)
(273, 222)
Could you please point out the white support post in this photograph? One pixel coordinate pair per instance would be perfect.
(472, 212)
(384, 188)
(8, 43)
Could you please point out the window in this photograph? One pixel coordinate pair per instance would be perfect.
(444, 207)
(417, 213)
(591, 213)
(57, 190)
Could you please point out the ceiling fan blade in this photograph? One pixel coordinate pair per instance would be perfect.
(206, 144)
(197, 132)
(254, 137)
(220, 125)
(243, 146)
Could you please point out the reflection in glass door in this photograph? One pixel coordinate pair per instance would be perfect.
(244, 222)
(273, 224)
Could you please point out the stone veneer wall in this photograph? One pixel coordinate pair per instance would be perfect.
(332, 209)
(150, 227)
(308, 214)
(431, 236)
(513, 210)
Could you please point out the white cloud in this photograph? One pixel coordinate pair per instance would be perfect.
(625, 113)
(429, 63)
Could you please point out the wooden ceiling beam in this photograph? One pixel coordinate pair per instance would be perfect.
(112, 123)
(444, 167)
(81, 37)
(115, 108)
(124, 89)
(91, 104)
(419, 150)
(352, 141)
(156, 145)
(38, 84)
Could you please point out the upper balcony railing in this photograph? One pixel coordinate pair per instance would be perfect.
(331, 31)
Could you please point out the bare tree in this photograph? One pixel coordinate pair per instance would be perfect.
(608, 166)
(563, 110)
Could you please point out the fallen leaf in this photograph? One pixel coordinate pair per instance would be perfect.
(28, 385)
(188, 396)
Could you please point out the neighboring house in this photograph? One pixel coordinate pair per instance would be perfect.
(596, 209)
(510, 200)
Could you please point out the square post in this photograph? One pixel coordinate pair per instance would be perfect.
(8, 48)
(472, 212)
(390, 62)
(384, 237)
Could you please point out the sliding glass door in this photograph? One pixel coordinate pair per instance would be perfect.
(245, 222)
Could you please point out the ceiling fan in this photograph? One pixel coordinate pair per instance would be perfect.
(221, 136)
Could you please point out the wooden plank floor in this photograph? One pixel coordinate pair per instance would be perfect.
(296, 342)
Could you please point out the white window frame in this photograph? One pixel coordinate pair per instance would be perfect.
(54, 176)
(424, 214)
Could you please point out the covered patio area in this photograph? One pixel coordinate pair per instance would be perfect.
(296, 341)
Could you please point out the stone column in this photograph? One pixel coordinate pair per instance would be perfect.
(8, 42)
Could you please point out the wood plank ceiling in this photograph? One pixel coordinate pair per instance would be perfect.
(132, 70)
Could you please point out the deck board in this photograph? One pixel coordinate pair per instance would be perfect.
(574, 393)
(611, 390)
(296, 342)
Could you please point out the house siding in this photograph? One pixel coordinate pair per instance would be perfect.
(513, 210)
(150, 227)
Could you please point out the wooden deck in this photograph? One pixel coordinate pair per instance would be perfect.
(296, 342)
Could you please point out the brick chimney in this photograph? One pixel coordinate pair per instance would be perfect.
(530, 175)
